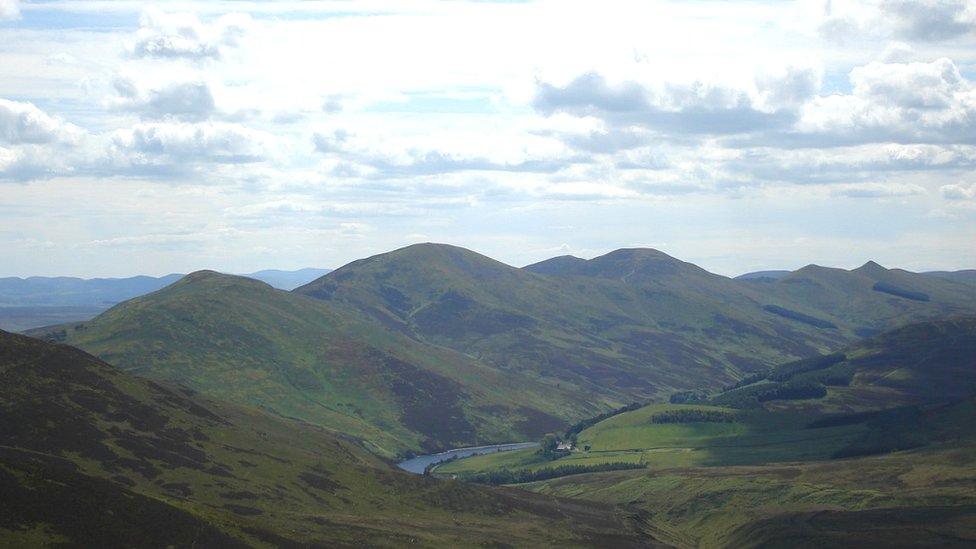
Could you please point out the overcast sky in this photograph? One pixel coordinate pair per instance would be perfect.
(153, 138)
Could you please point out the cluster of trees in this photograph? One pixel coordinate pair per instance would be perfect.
(549, 447)
(693, 416)
(799, 317)
(886, 288)
(505, 476)
(753, 395)
(748, 380)
(689, 397)
(790, 369)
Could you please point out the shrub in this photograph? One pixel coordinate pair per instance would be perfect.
(505, 476)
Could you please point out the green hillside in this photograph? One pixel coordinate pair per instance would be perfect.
(243, 341)
(629, 337)
(92, 456)
(634, 324)
(434, 346)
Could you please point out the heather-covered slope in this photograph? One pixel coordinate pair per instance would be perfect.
(92, 456)
(241, 340)
(660, 325)
(632, 324)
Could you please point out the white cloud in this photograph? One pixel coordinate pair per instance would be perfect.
(932, 85)
(25, 123)
(182, 35)
(182, 142)
(9, 9)
(878, 190)
(677, 108)
(912, 20)
(890, 103)
(931, 20)
(959, 192)
(181, 100)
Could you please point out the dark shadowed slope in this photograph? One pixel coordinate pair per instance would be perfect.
(243, 341)
(921, 363)
(92, 456)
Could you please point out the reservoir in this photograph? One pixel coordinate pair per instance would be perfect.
(419, 463)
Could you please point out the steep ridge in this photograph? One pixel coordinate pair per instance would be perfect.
(92, 456)
(632, 324)
(241, 340)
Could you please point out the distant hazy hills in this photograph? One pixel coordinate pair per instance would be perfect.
(287, 280)
(41, 301)
(433, 346)
(91, 456)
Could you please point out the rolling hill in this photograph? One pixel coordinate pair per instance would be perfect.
(92, 456)
(634, 324)
(638, 335)
(243, 341)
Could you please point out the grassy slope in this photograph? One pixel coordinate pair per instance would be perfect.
(96, 457)
(243, 341)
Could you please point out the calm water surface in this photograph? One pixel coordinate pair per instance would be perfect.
(419, 463)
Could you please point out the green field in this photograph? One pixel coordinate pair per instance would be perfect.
(756, 437)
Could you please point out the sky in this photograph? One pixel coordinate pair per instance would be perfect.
(141, 138)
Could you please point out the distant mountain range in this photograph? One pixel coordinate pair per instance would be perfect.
(435, 346)
(41, 301)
